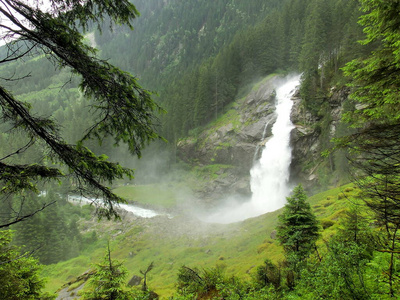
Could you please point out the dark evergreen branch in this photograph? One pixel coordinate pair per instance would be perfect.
(124, 109)
(11, 57)
(20, 150)
(194, 274)
(26, 254)
(24, 217)
(80, 160)
(16, 79)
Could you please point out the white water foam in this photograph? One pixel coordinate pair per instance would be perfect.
(269, 175)
(137, 211)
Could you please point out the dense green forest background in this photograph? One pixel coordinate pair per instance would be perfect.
(198, 65)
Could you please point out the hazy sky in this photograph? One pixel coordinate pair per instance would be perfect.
(4, 20)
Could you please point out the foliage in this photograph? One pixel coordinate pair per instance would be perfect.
(340, 275)
(374, 146)
(298, 228)
(202, 283)
(374, 78)
(213, 284)
(53, 234)
(197, 81)
(120, 107)
(269, 275)
(108, 281)
(19, 273)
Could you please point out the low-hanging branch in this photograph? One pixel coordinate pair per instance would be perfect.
(27, 216)
(80, 160)
(121, 108)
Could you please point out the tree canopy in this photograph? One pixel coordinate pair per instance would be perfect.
(298, 228)
(374, 147)
(19, 272)
(375, 90)
(120, 107)
(375, 78)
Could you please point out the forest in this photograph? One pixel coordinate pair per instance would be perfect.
(96, 95)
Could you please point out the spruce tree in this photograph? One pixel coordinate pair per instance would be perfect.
(375, 146)
(108, 281)
(120, 107)
(19, 273)
(298, 228)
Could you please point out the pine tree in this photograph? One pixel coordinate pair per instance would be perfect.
(298, 228)
(120, 107)
(108, 281)
(375, 148)
(19, 273)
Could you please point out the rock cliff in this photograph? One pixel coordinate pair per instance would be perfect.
(312, 136)
(233, 141)
(236, 139)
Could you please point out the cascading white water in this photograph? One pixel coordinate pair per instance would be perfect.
(269, 175)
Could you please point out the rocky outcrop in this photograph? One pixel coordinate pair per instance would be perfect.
(312, 135)
(305, 143)
(135, 280)
(234, 141)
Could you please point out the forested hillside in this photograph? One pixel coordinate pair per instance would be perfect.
(198, 65)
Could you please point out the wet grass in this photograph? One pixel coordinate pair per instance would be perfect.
(172, 243)
(152, 194)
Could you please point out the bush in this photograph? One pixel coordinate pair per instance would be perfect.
(268, 275)
(326, 223)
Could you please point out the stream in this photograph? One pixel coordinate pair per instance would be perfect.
(136, 210)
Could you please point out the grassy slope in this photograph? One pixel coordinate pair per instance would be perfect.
(156, 195)
(171, 243)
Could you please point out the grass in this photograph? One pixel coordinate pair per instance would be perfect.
(154, 195)
(171, 243)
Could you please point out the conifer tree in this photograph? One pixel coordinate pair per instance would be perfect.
(298, 228)
(108, 281)
(120, 107)
(19, 273)
(375, 147)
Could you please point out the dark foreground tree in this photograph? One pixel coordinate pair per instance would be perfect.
(375, 147)
(108, 281)
(121, 109)
(19, 273)
(298, 228)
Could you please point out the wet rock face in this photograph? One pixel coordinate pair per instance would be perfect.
(310, 133)
(304, 141)
(234, 141)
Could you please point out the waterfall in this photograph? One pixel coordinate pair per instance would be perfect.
(269, 175)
